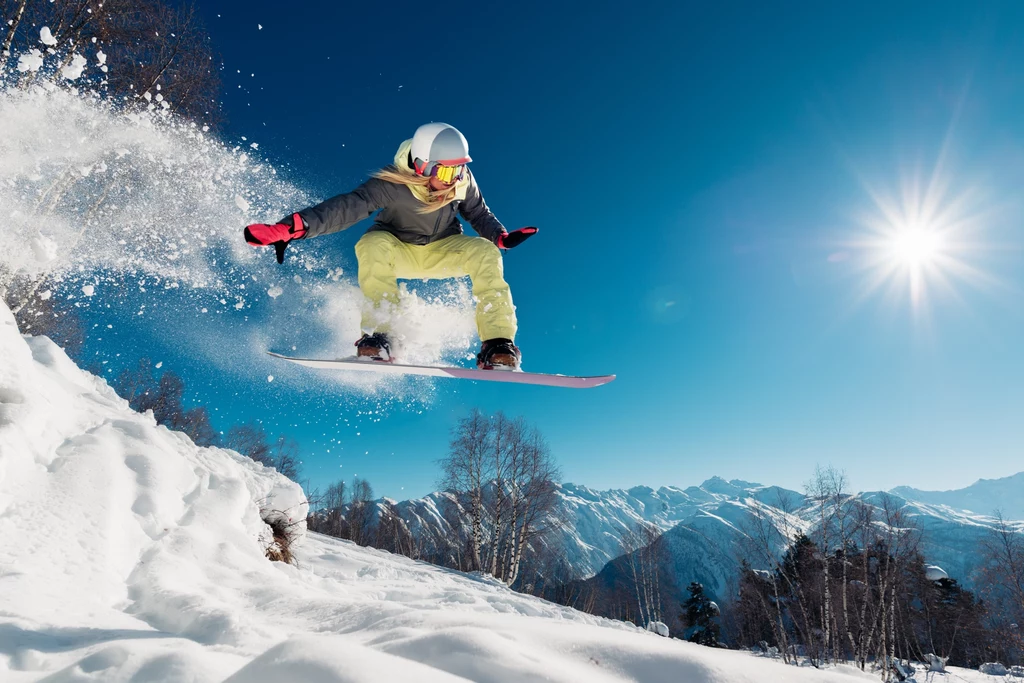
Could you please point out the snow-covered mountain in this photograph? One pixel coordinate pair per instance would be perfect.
(127, 553)
(704, 524)
(984, 497)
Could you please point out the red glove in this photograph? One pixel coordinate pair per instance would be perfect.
(278, 234)
(507, 240)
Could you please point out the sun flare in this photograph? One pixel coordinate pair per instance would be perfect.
(916, 244)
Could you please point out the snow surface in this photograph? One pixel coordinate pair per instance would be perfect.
(130, 554)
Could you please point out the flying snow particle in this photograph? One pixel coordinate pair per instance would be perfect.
(255, 145)
(259, 27)
(101, 57)
(44, 249)
(297, 279)
(30, 61)
(159, 365)
(270, 378)
(241, 203)
(275, 292)
(88, 290)
(75, 68)
(46, 37)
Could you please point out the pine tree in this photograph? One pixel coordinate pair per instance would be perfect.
(699, 617)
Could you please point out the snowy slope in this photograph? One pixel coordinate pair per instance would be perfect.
(129, 554)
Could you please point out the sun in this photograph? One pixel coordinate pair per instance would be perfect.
(916, 245)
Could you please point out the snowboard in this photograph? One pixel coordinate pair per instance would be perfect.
(511, 377)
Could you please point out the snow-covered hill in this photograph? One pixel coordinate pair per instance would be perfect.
(129, 554)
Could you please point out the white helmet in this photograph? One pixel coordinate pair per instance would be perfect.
(438, 144)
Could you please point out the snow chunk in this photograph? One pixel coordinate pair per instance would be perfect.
(44, 250)
(89, 290)
(936, 663)
(101, 57)
(46, 37)
(275, 292)
(241, 203)
(30, 61)
(45, 294)
(74, 70)
(993, 669)
(658, 627)
(933, 573)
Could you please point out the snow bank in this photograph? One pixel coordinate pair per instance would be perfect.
(104, 514)
(130, 554)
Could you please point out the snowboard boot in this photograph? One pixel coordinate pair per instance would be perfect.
(374, 346)
(498, 354)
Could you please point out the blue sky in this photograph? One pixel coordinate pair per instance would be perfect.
(708, 181)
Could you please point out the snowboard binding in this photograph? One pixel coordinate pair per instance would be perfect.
(498, 354)
(375, 347)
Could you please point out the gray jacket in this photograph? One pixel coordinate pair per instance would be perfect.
(399, 214)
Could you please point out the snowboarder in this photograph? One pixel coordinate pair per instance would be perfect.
(417, 235)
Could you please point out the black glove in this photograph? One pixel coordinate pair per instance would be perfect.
(507, 240)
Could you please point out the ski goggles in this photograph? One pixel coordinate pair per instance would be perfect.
(448, 174)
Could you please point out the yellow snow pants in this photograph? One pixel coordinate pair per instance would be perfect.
(383, 258)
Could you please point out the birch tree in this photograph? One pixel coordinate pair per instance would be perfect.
(465, 470)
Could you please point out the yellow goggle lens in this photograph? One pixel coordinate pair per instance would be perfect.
(448, 174)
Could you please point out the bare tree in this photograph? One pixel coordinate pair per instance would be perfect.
(393, 534)
(195, 422)
(504, 471)
(642, 548)
(328, 517)
(16, 11)
(285, 456)
(1002, 578)
(466, 469)
(360, 513)
(250, 440)
(152, 46)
